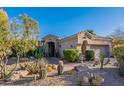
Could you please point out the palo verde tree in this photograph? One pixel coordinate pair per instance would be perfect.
(5, 42)
(25, 31)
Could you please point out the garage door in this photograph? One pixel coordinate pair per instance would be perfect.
(100, 49)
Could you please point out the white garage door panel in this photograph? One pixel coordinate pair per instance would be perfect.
(100, 50)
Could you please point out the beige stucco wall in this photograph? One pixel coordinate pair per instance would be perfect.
(67, 44)
(75, 41)
(103, 45)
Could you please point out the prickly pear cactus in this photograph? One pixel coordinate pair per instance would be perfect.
(60, 68)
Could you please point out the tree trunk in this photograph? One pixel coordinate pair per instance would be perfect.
(4, 67)
(17, 62)
(18, 58)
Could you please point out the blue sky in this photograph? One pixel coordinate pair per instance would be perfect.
(67, 21)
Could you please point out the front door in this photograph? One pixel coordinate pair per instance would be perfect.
(51, 49)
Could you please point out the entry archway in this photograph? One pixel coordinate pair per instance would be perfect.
(51, 49)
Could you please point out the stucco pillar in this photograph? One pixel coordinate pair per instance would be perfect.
(110, 49)
(46, 49)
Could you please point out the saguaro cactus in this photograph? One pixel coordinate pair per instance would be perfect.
(60, 67)
(42, 72)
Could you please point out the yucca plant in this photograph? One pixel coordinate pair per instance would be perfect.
(33, 68)
(102, 56)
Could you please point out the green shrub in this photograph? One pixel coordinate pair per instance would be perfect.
(118, 52)
(71, 54)
(90, 55)
(38, 52)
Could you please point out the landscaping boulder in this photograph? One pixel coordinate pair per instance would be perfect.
(81, 68)
(97, 80)
(90, 79)
(96, 62)
(106, 61)
(113, 61)
(84, 79)
(54, 67)
(81, 58)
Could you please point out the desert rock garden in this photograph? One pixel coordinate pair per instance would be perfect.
(29, 73)
(22, 61)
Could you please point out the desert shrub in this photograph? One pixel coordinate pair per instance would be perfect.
(119, 54)
(38, 52)
(33, 68)
(102, 56)
(23, 66)
(36, 68)
(5, 73)
(71, 54)
(89, 55)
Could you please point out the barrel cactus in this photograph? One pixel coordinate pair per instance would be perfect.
(60, 67)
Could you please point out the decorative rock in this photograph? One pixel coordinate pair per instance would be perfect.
(114, 61)
(91, 79)
(84, 79)
(81, 68)
(97, 80)
(54, 67)
(106, 61)
(81, 57)
(96, 62)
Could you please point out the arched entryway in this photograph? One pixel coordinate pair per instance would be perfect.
(51, 49)
(83, 47)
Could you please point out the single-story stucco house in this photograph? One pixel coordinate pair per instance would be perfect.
(82, 41)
